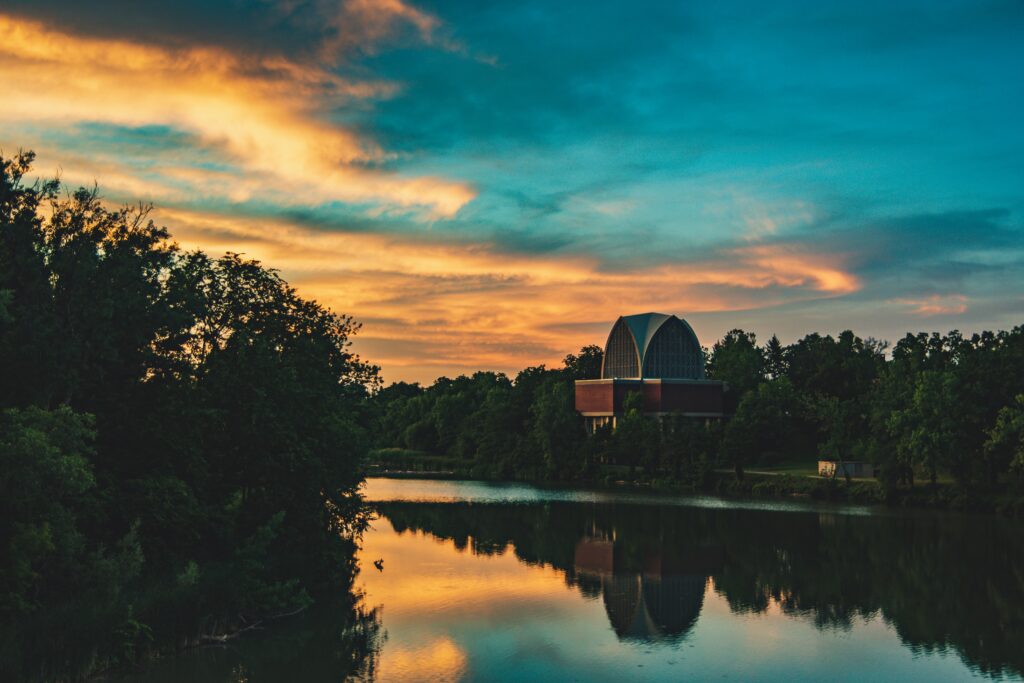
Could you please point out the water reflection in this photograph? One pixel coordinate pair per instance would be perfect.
(661, 601)
(566, 587)
(942, 583)
(329, 643)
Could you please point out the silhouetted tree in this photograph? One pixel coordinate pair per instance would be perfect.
(181, 436)
(737, 361)
(775, 364)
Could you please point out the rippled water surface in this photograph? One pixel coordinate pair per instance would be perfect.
(515, 583)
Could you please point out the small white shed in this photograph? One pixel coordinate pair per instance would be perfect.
(847, 468)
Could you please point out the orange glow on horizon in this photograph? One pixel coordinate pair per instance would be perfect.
(433, 307)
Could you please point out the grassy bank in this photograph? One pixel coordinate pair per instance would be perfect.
(944, 496)
(787, 481)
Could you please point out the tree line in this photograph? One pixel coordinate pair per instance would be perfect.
(936, 405)
(491, 425)
(180, 436)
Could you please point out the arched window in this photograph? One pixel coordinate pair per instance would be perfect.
(674, 352)
(621, 358)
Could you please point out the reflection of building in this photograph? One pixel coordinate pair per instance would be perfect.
(661, 601)
(658, 356)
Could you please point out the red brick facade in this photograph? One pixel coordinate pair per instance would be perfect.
(605, 397)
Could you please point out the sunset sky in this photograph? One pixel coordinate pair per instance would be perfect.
(489, 185)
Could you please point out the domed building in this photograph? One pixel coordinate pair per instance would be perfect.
(655, 354)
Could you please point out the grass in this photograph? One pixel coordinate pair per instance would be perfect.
(404, 459)
(793, 468)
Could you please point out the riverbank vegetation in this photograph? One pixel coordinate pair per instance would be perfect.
(941, 417)
(180, 438)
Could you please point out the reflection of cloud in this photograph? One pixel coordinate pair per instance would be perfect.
(440, 659)
(454, 588)
(261, 114)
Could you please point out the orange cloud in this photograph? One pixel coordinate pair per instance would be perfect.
(360, 24)
(435, 308)
(952, 304)
(262, 115)
(429, 307)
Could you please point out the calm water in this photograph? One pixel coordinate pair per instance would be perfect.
(515, 583)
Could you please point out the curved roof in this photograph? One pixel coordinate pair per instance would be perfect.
(643, 326)
(650, 608)
(680, 358)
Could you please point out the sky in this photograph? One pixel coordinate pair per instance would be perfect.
(489, 185)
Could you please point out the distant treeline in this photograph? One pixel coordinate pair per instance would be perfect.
(938, 405)
(180, 438)
(491, 426)
(941, 404)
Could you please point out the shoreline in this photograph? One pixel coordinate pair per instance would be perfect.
(768, 486)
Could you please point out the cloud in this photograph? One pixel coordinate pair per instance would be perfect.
(263, 117)
(360, 25)
(436, 305)
(952, 304)
(498, 213)
(308, 31)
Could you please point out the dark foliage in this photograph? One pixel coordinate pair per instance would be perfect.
(487, 424)
(180, 439)
(940, 405)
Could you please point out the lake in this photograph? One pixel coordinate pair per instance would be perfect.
(509, 582)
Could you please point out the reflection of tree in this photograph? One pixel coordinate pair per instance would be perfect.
(651, 590)
(942, 581)
(332, 641)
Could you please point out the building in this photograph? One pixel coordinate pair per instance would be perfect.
(659, 356)
(649, 593)
(830, 469)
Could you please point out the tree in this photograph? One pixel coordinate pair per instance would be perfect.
(1004, 449)
(841, 428)
(687, 443)
(556, 429)
(843, 367)
(27, 335)
(586, 364)
(737, 361)
(193, 411)
(762, 425)
(925, 432)
(775, 364)
(636, 436)
(44, 479)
